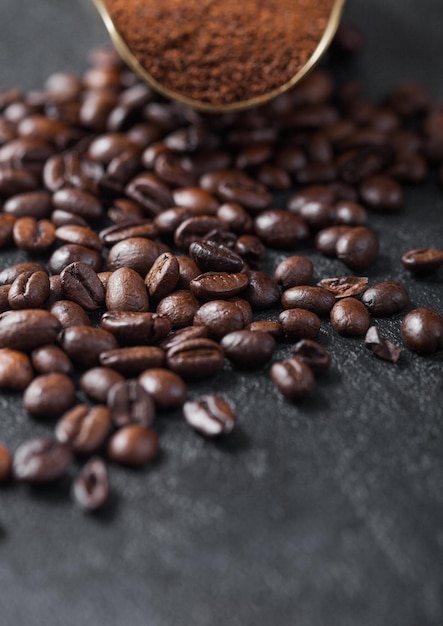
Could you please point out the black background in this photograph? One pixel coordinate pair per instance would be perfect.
(325, 513)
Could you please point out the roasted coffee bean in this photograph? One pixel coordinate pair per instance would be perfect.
(83, 429)
(251, 249)
(64, 218)
(278, 228)
(130, 403)
(97, 381)
(124, 211)
(357, 248)
(81, 235)
(194, 229)
(150, 192)
(182, 334)
(238, 187)
(299, 323)
(244, 307)
(84, 344)
(312, 354)
(15, 181)
(349, 213)
(210, 416)
(49, 395)
(219, 317)
(73, 253)
(345, 286)
(79, 202)
(69, 313)
(422, 331)
(40, 461)
(49, 359)
(128, 229)
(381, 347)
(15, 369)
(27, 153)
(188, 270)
(133, 360)
(90, 489)
(422, 260)
(294, 271)
(313, 193)
(210, 256)
(135, 328)
(350, 317)
(293, 378)
(273, 177)
(326, 239)
(385, 298)
(32, 235)
(317, 215)
(169, 220)
(262, 291)
(126, 291)
(36, 204)
(4, 302)
(136, 253)
(216, 285)
(195, 358)
(315, 299)
(234, 217)
(166, 388)
(5, 464)
(163, 276)
(30, 290)
(6, 227)
(27, 329)
(266, 326)
(196, 199)
(248, 349)
(133, 445)
(180, 307)
(381, 193)
(81, 284)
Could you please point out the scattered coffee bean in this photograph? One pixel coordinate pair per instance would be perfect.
(212, 257)
(422, 331)
(293, 378)
(166, 388)
(84, 428)
(15, 369)
(40, 461)
(316, 299)
(422, 260)
(299, 323)
(357, 248)
(345, 286)
(49, 359)
(385, 298)
(195, 358)
(90, 488)
(381, 347)
(97, 381)
(49, 395)
(133, 445)
(294, 271)
(211, 416)
(312, 354)
(350, 317)
(220, 317)
(5, 464)
(248, 349)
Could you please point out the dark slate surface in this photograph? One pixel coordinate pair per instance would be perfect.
(326, 513)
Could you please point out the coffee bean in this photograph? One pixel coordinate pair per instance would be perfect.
(220, 317)
(97, 381)
(83, 429)
(166, 388)
(40, 461)
(381, 347)
(150, 192)
(194, 229)
(30, 290)
(280, 229)
(4, 302)
(15, 181)
(210, 416)
(299, 323)
(84, 344)
(74, 253)
(136, 253)
(262, 291)
(385, 298)
(126, 291)
(27, 329)
(196, 199)
(133, 445)
(422, 331)
(266, 326)
(80, 235)
(210, 256)
(130, 403)
(237, 187)
(357, 248)
(293, 378)
(128, 229)
(36, 204)
(294, 271)
(163, 276)
(313, 354)
(319, 301)
(81, 284)
(6, 227)
(345, 286)
(349, 213)
(216, 285)
(49, 395)
(32, 235)
(350, 317)
(135, 328)
(15, 369)
(381, 193)
(248, 349)
(79, 202)
(422, 261)
(133, 360)
(5, 464)
(180, 307)
(313, 193)
(195, 358)
(182, 334)
(90, 488)
(326, 239)
(251, 249)
(49, 359)
(69, 313)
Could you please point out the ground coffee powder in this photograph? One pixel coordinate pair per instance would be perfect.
(221, 51)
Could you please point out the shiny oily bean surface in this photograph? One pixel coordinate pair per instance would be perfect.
(381, 193)
(266, 326)
(293, 378)
(319, 301)
(357, 248)
(48, 359)
(262, 291)
(127, 229)
(248, 349)
(81, 284)
(133, 445)
(166, 388)
(97, 381)
(90, 489)
(40, 461)
(294, 271)
(163, 276)
(30, 290)
(49, 395)
(126, 291)
(281, 229)
(182, 334)
(326, 239)
(72, 253)
(133, 360)
(69, 313)
(136, 253)
(180, 307)
(299, 323)
(422, 331)
(195, 358)
(15, 369)
(27, 329)
(35, 204)
(210, 416)
(83, 428)
(350, 317)
(385, 298)
(216, 285)
(219, 317)
(81, 235)
(210, 256)
(32, 235)
(421, 261)
(84, 344)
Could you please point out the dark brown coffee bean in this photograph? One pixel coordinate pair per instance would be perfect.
(381, 193)
(49, 395)
(262, 291)
(219, 317)
(180, 307)
(266, 326)
(195, 358)
(210, 416)
(299, 323)
(40, 461)
(27, 329)
(130, 403)
(350, 317)
(150, 192)
(81, 284)
(251, 249)
(135, 328)
(196, 199)
(168, 221)
(123, 210)
(49, 359)
(80, 235)
(136, 253)
(188, 270)
(345, 286)
(5, 464)
(422, 331)
(64, 218)
(79, 202)
(293, 378)
(182, 334)
(312, 354)
(126, 291)
(273, 177)
(349, 213)
(210, 256)
(133, 445)
(247, 348)
(163, 276)
(36, 204)
(315, 299)
(4, 302)
(33, 236)
(278, 228)
(90, 488)
(166, 388)
(294, 271)
(133, 360)
(84, 344)
(385, 298)
(30, 290)
(83, 428)
(314, 193)
(422, 260)
(6, 227)
(234, 217)
(97, 381)
(14, 181)
(69, 313)
(357, 248)
(237, 187)
(128, 229)
(72, 253)
(317, 215)
(216, 285)
(344, 192)
(381, 347)
(194, 229)
(326, 239)
(245, 309)
(169, 169)
(15, 369)
(27, 153)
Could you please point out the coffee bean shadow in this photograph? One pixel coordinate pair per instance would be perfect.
(236, 442)
(3, 533)
(107, 513)
(53, 493)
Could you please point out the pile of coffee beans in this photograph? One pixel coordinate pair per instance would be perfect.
(144, 230)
